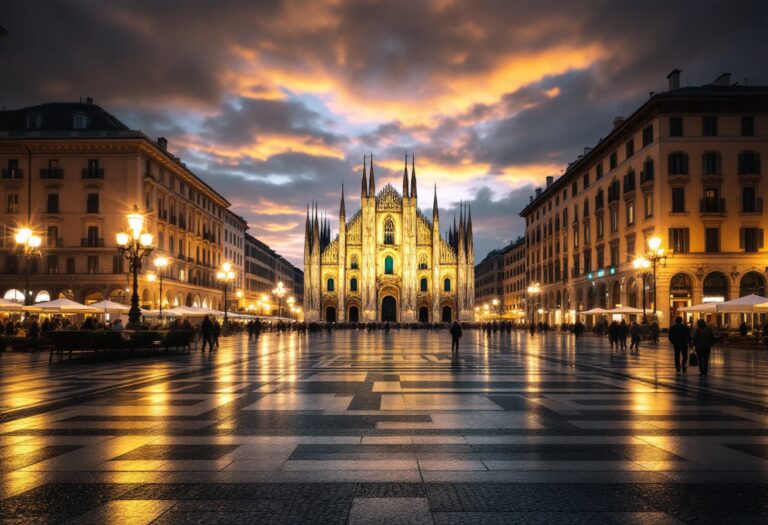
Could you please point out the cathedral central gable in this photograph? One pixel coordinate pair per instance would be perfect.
(389, 199)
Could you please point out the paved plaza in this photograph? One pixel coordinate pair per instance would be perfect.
(356, 427)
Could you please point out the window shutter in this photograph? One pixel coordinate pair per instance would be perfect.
(741, 238)
(759, 238)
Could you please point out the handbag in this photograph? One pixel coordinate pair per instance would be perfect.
(693, 359)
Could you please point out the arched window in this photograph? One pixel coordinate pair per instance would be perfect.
(447, 285)
(353, 262)
(353, 284)
(423, 262)
(330, 285)
(389, 265)
(389, 231)
(423, 284)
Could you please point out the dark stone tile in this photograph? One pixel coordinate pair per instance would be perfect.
(54, 503)
(241, 491)
(389, 490)
(18, 461)
(753, 449)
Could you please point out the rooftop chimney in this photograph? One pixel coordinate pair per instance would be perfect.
(538, 192)
(723, 80)
(88, 100)
(162, 143)
(674, 79)
(550, 180)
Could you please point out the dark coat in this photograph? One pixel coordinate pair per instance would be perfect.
(679, 336)
(703, 338)
(456, 331)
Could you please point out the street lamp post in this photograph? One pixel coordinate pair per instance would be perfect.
(161, 263)
(497, 304)
(134, 246)
(280, 292)
(655, 256)
(533, 289)
(642, 265)
(30, 247)
(226, 276)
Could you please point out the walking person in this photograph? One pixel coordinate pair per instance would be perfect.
(623, 333)
(681, 340)
(634, 335)
(703, 341)
(456, 334)
(206, 333)
(216, 333)
(613, 335)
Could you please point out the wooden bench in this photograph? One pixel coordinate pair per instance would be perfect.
(70, 341)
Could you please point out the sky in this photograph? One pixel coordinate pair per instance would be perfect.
(274, 103)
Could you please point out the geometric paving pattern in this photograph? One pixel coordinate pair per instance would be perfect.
(359, 427)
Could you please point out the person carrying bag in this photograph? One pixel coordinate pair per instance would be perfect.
(703, 341)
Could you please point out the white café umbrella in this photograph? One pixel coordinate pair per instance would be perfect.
(744, 304)
(61, 306)
(596, 311)
(108, 306)
(626, 310)
(700, 308)
(9, 306)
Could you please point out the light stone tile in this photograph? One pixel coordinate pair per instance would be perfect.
(125, 512)
(300, 401)
(450, 464)
(352, 464)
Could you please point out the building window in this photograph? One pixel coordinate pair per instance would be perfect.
(585, 180)
(614, 255)
(679, 240)
(599, 170)
(53, 203)
(423, 284)
(52, 236)
(574, 189)
(423, 262)
(354, 264)
(70, 265)
(676, 127)
(711, 163)
(52, 264)
(79, 121)
(92, 203)
(587, 261)
(748, 199)
(93, 264)
(648, 205)
(647, 135)
(709, 126)
(613, 160)
(447, 285)
(749, 163)
(330, 285)
(630, 148)
(353, 284)
(712, 240)
(678, 200)
(389, 265)
(587, 234)
(614, 220)
(34, 121)
(389, 232)
(630, 213)
(747, 126)
(117, 264)
(678, 163)
(599, 228)
(751, 239)
(575, 236)
(630, 249)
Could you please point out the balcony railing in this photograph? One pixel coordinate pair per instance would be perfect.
(54, 243)
(93, 173)
(712, 205)
(12, 173)
(87, 242)
(52, 173)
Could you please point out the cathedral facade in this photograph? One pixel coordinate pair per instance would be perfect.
(388, 261)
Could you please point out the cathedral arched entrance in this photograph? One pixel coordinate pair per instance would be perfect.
(354, 314)
(389, 309)
(330, 314)
(447, 314)
(423, 314)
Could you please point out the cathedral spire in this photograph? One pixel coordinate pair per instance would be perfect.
(371, 181)
(435, 213)
(413, 175)
(342, 211)
(469, 241)
(307, 234)
(315, 231)
(405, 177)
(364, 191)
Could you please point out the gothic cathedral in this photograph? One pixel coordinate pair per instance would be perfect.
(388, 261)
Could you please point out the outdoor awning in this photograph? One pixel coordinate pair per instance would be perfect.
(626, 310)
(108, 306)
(746, 304)
(596, 311)
(61, 306)
(9, 306)
(700, 308)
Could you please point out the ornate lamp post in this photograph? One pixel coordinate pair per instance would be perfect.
(533, 289)
(161, 263)
(226, 276)
(643, 268)
(655, 256)
(134, 246)
(279, 292)
(30, 247)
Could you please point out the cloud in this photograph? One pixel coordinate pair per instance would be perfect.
(275, 102)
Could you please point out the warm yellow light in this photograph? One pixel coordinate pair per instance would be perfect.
(291, 300)
(145, 239)
(23, 235)
(495, 302)
(220, 276)
(227, 266)
(654, 243)
(34, 241)
(239, 294)
(161, 262)
(280, 284)
(135, 222)
(151, 277)
(122, 239)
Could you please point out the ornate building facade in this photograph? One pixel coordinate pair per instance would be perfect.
(389, 261)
